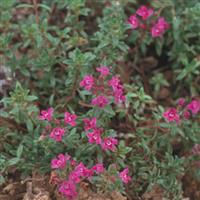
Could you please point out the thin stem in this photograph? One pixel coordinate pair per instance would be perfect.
(36, 11)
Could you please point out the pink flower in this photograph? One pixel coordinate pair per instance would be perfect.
(46, 114)
(100, 101)
(98, 168)
(90, 123)
(171, 115)
(119, 96)
(124, 176)
(186, 114)
(68, 189)
(72, 162)
(117, 89)
(95, 136)
(74, 177)
(114, 83)
(70, 119)
(103, 70)
(144, 12)
(87, 82)
(82, 171)
(196, 149)
(133, 21)
(159, 28)
(57, 134)
(59, 163)
(109, 144)
(181, 102)
(194, 106)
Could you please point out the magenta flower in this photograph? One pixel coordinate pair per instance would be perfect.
(109, 144)
(159, 28)
(79, 169)
(186, 114)
(144, 12)
(103, 70)
(196, 149)
(171, 115)
(68, 189)
(100, 101)
(60, 161)
(95, 136)
(46, 114)
(87, 82)
(124, 176)
(119, 96)
(90, 123)
(74, 177)
(114, 83)
(194, 106)
(70, 119)
(117, 89)
(72, 162)
(82, 171)
(98, 168)
(181, 102)
(133, 21)
(57, 134)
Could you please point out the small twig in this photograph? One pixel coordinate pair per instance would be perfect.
(53, 8)
(36, 11)
(85, 105)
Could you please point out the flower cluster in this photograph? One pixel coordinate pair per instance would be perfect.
(117, 88)
(57, 132)
(157, 27)
(104, 89)
(77, 172)
(184, 110)
(94, 135)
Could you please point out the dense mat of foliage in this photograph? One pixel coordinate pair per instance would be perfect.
(93, 90)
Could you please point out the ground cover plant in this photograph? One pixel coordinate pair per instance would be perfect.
(99, 99)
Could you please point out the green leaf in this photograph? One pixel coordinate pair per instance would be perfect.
(25, 5)
(4, 114)
(44, 6)
(20, 150)
(29, 125)
(13, 161)
(31, 98)
(108, 109)
(5, 4)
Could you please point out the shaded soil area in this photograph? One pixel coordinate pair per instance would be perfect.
(40, 187)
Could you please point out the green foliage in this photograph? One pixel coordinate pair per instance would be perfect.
(50, 46)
